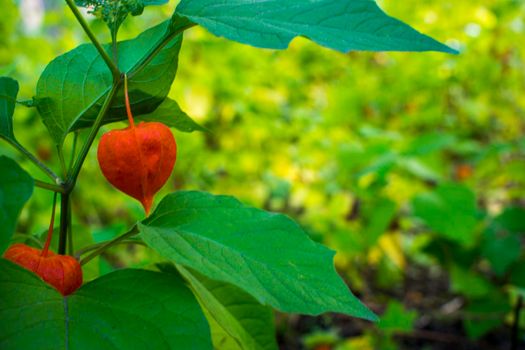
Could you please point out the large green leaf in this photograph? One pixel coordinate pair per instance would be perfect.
(72, 88)
(450, 210)
(16, 187)
(8, 93)
(126, 309)
(343, 25)
(267, 255)
(170, 114)
(237, 320)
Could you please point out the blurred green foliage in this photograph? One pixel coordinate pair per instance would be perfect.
(411, 166)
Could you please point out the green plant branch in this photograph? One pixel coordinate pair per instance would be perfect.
(64, 209)
(28, 237)
(145, 60)
(111, 65)
(96, 246)
(70, 247)
(73, 151)
(62, 160)
(73, 175)
(50, 173)
(50, 187)
(114, 46)
(106, 245)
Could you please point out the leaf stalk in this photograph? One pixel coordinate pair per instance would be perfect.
(109, 62)
(107, 245)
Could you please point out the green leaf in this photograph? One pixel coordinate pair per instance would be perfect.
(450, 210)
(73, 86)
(126, 309)
(377, 216)
(469, 283)
(239, 320)
(343, 25)
(501, 250)
(485, 314)
(397, 319)
(8, 93)
(418, 169)
(517, 275)
(511, 220)
(16, 187)
(267, 255)
(430, 143)
(170, 114)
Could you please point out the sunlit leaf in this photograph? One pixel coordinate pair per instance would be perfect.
(265, 254)
(170, 114)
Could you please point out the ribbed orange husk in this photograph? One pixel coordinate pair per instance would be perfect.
(61, 271)
(138, 161)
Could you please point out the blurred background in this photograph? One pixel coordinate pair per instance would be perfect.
(410, 165)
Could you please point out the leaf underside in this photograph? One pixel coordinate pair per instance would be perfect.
(343, 25)
(237, 320)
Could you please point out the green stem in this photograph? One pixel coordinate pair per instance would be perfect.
(45, 250)
(62, 160)
(70, 247)
(50, 187)
(64, 209)
(109, 244)
(73, 151)
(111, 65)
(114, 45)
(28, 237)
(96, 246)
(73, 175)
(156, 49)
(50, 173)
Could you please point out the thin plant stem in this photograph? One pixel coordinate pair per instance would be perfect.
(45, 250)
(93, 247)
(62, 160)
(50, 187)
(50, 173)
(29, 237)
(70, 247)
(64, 209)
(109, 244)
(111, 65)
(144, 61)
(73, 175)
(114, 34)
(73, 151)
